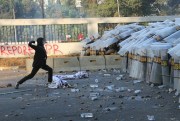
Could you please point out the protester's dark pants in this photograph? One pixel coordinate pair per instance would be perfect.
(35, 70)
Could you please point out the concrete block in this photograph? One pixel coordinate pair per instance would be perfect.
(66, 64)
(30, 61)
(113, 61)
(92, 62)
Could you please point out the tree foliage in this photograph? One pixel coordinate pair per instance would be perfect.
(6, 9)
(53, 10)
(90, 8)
(27, 9)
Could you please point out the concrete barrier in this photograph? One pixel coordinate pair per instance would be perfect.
(79, 63)
(112, 61)
(66, 64)
(30, 61)
(92, 62)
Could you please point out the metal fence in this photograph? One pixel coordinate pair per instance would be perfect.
(53, 33)
(20, 31)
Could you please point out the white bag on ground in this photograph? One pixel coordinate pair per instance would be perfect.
(57, 82)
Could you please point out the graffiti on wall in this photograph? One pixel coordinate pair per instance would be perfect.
(26, 51)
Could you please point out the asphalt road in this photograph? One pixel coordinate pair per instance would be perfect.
(102, 95)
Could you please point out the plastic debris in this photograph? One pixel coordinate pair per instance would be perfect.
(170, 90)
(107, 74)
(138, 98)
(59, 80)
(86, 115)
(116, 71)
(176, 93)
(137, 91)
(96, 80)
(161, 86)
(93, 85)
(111, 87)
(104, 70)
(122, 77)
(152, 85)
(94, 98)
(150, 117)
(74, 90)
(121, 89)
(118, 78)
(136, 81)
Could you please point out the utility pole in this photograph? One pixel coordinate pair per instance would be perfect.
(43, 16)
(78, 5)
(14, 17)
(118, 7)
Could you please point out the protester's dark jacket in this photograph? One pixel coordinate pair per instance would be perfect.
(40, 53)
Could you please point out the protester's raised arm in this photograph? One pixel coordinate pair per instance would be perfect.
(31, 44)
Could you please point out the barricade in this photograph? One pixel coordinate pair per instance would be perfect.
(66, 64)
(165, 67)
(177, 75)
(80, 63)
(112, 61)
(124, 63)
(156, 72)
(92, 62)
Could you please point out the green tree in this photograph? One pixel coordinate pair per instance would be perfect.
(174, 7)
(6, 9)
(135, 7)
(27, 9)
(90, 8)
(54, 10)
(160, 7)
(107, 8)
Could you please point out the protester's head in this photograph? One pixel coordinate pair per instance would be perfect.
(41, 41)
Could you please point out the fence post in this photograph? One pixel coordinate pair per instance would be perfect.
(92, 28)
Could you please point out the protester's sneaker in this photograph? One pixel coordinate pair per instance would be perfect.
(17, 86)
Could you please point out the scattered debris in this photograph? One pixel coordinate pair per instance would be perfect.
(161, 86)
(121, 89)
(170, 90)
(136, 81)
(137, 91)
(139, 98)
(94, 95)
(75, 90)
(86, 115)
(150, 117)
(111, 87)
(110, 108)
(176, 93)
(96, 80)
(107, 74)
(118, 78)
(93, 85)
(94, 98)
